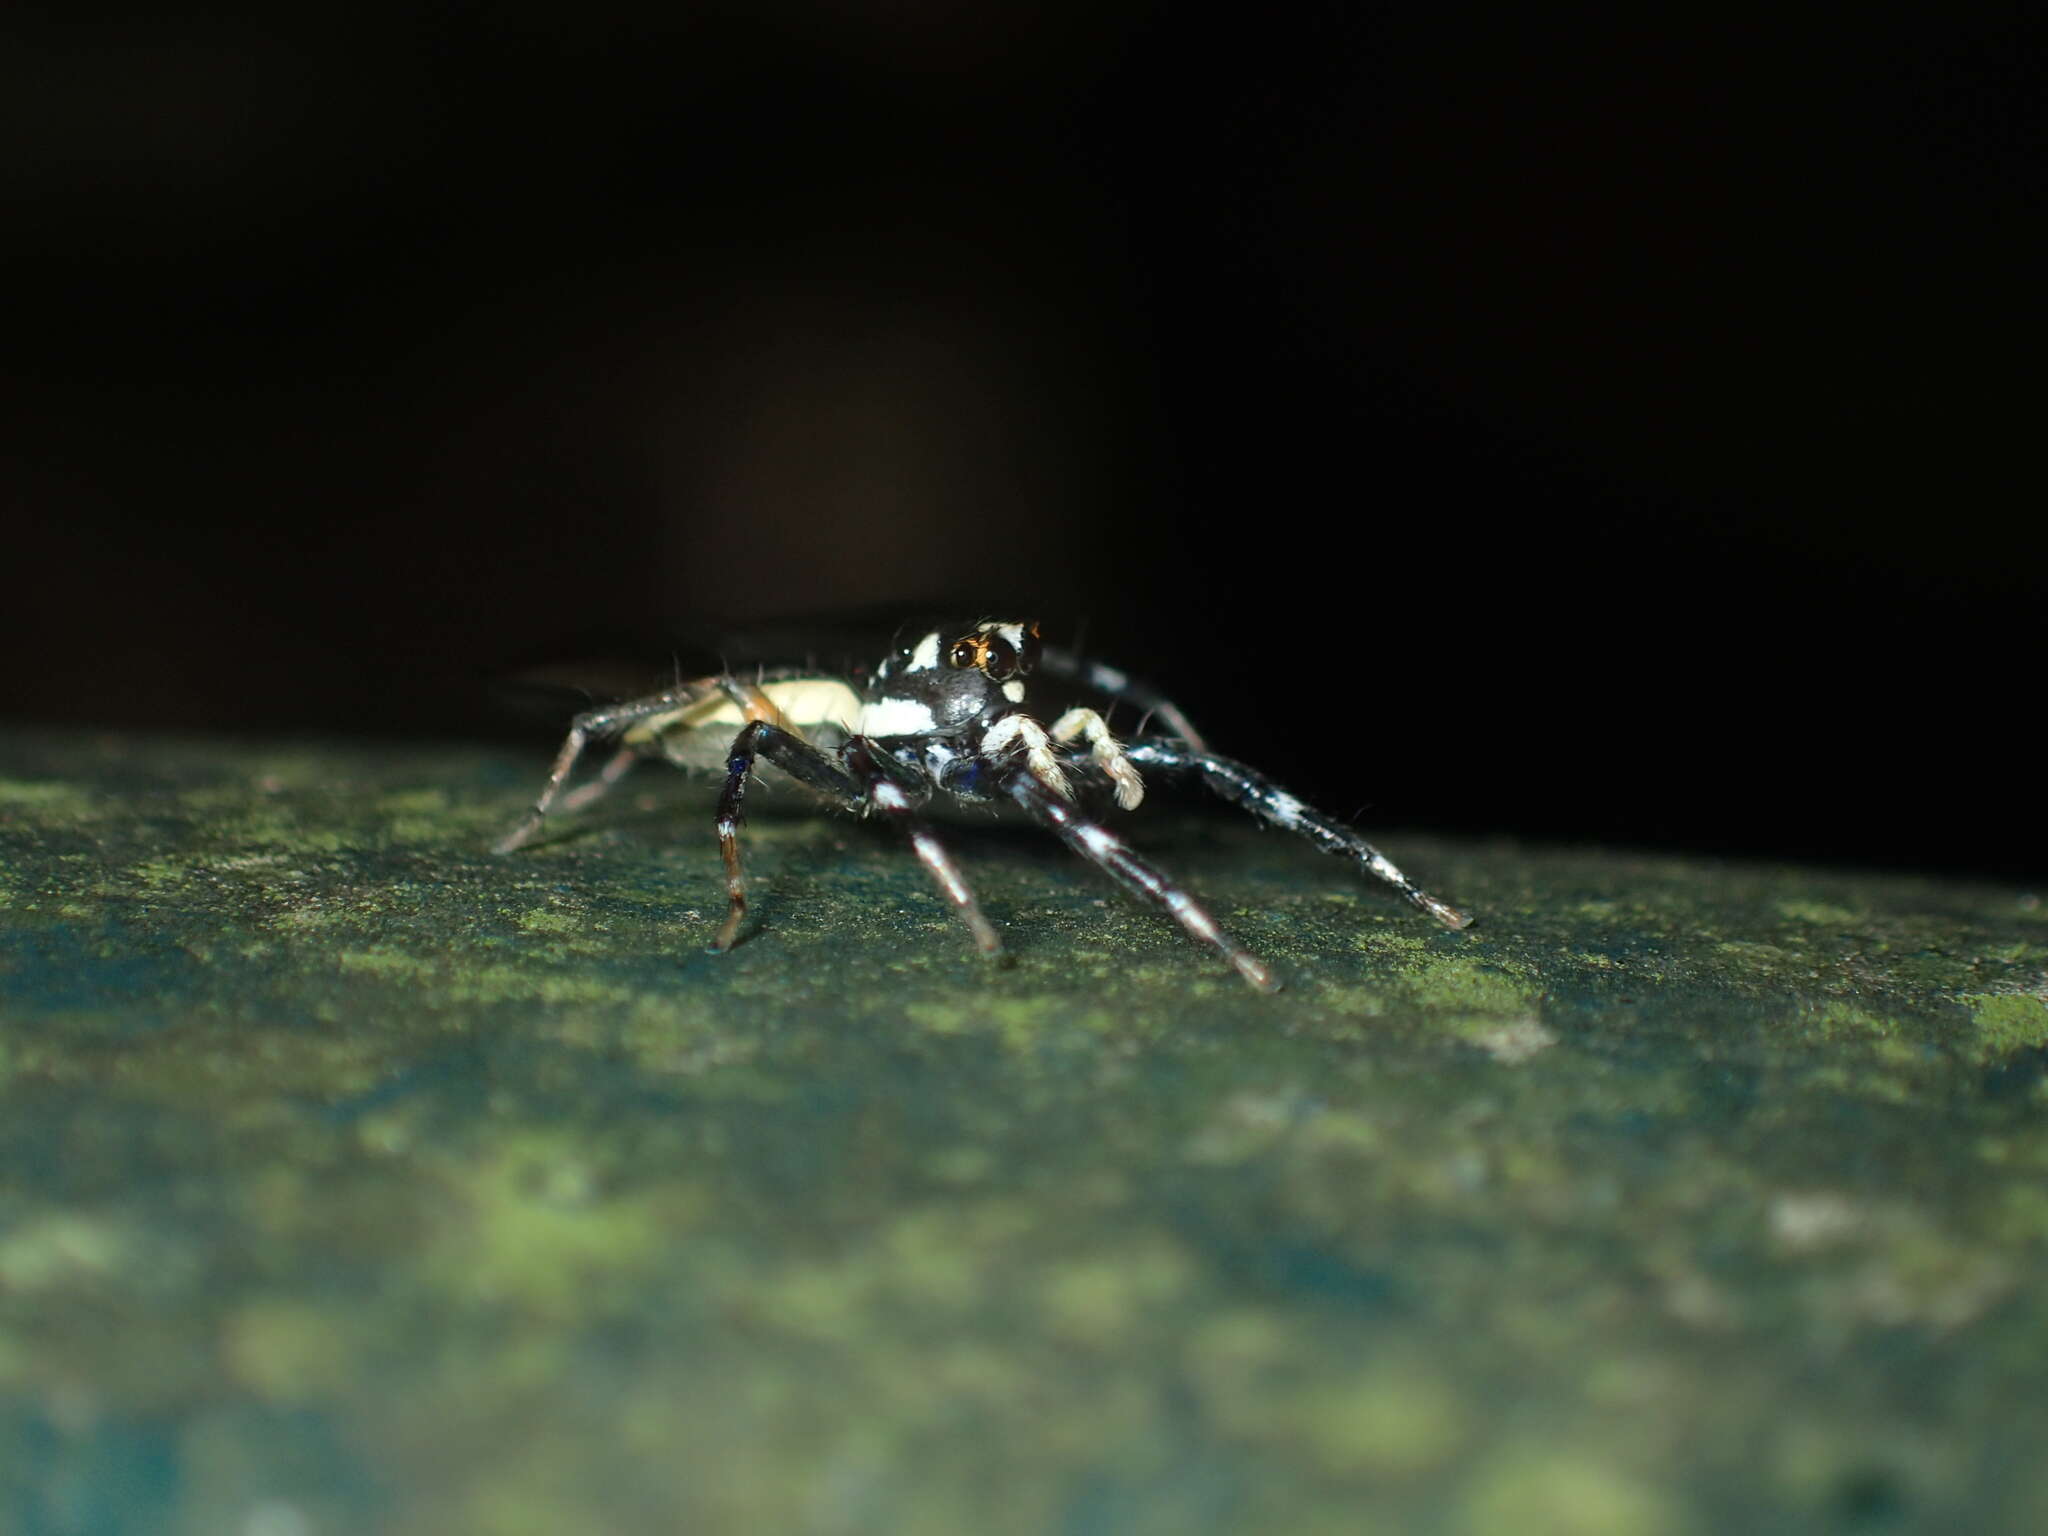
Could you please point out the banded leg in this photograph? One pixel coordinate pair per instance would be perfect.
(593, 724)
(615, 769)
(795, 757)
(1120, 685)
(1103, 848)
(868, 785)
(892, 800)
(1247, 787)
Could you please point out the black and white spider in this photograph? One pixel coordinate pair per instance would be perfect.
(945, 712)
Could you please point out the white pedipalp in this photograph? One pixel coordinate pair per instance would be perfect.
(1023, 733)
(1105, 751)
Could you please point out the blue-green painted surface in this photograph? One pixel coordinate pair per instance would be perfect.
(352, 1179)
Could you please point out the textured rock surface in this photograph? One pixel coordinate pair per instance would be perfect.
(353, 1178)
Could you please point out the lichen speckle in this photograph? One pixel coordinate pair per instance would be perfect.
(2008, 1023)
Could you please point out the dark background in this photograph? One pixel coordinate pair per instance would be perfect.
(1607, 434)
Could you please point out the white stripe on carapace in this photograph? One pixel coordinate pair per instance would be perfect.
(925, 655)
(896, 717)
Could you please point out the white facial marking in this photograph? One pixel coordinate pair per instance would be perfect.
(1013, 690)
(895, 717)
(926, 655)
(1014, 633)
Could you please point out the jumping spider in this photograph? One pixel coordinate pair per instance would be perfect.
(946, 712)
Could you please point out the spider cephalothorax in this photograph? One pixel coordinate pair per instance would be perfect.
(949, 682)
(950, 702)
(946, 711)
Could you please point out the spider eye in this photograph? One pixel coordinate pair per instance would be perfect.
(964, 654)
(1001, 660)
(1027, 659)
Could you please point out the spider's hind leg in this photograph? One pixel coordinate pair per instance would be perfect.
(594, 725)
(616, 768)
(1247, 787)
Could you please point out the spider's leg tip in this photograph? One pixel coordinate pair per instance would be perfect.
(1446, 914)
(1257, 972)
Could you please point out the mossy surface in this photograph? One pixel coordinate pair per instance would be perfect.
(354, 1179)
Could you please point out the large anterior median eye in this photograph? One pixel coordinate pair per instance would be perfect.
(1000, 662)
(964, 654)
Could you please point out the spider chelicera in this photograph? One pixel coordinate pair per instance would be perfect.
(945, 712)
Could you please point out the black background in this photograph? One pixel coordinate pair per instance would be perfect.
(1624, 432)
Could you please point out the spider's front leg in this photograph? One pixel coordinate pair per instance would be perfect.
(795, 757)
(889, 798)
(1115, 683)
(1247, 787)
(1103, 848)
(858, 779)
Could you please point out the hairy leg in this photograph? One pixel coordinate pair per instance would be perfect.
(858, 779)
(596, 725)
(1249, 788)
(1120, 685)
(1103, 848)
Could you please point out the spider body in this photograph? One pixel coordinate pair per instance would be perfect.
(944, 713)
